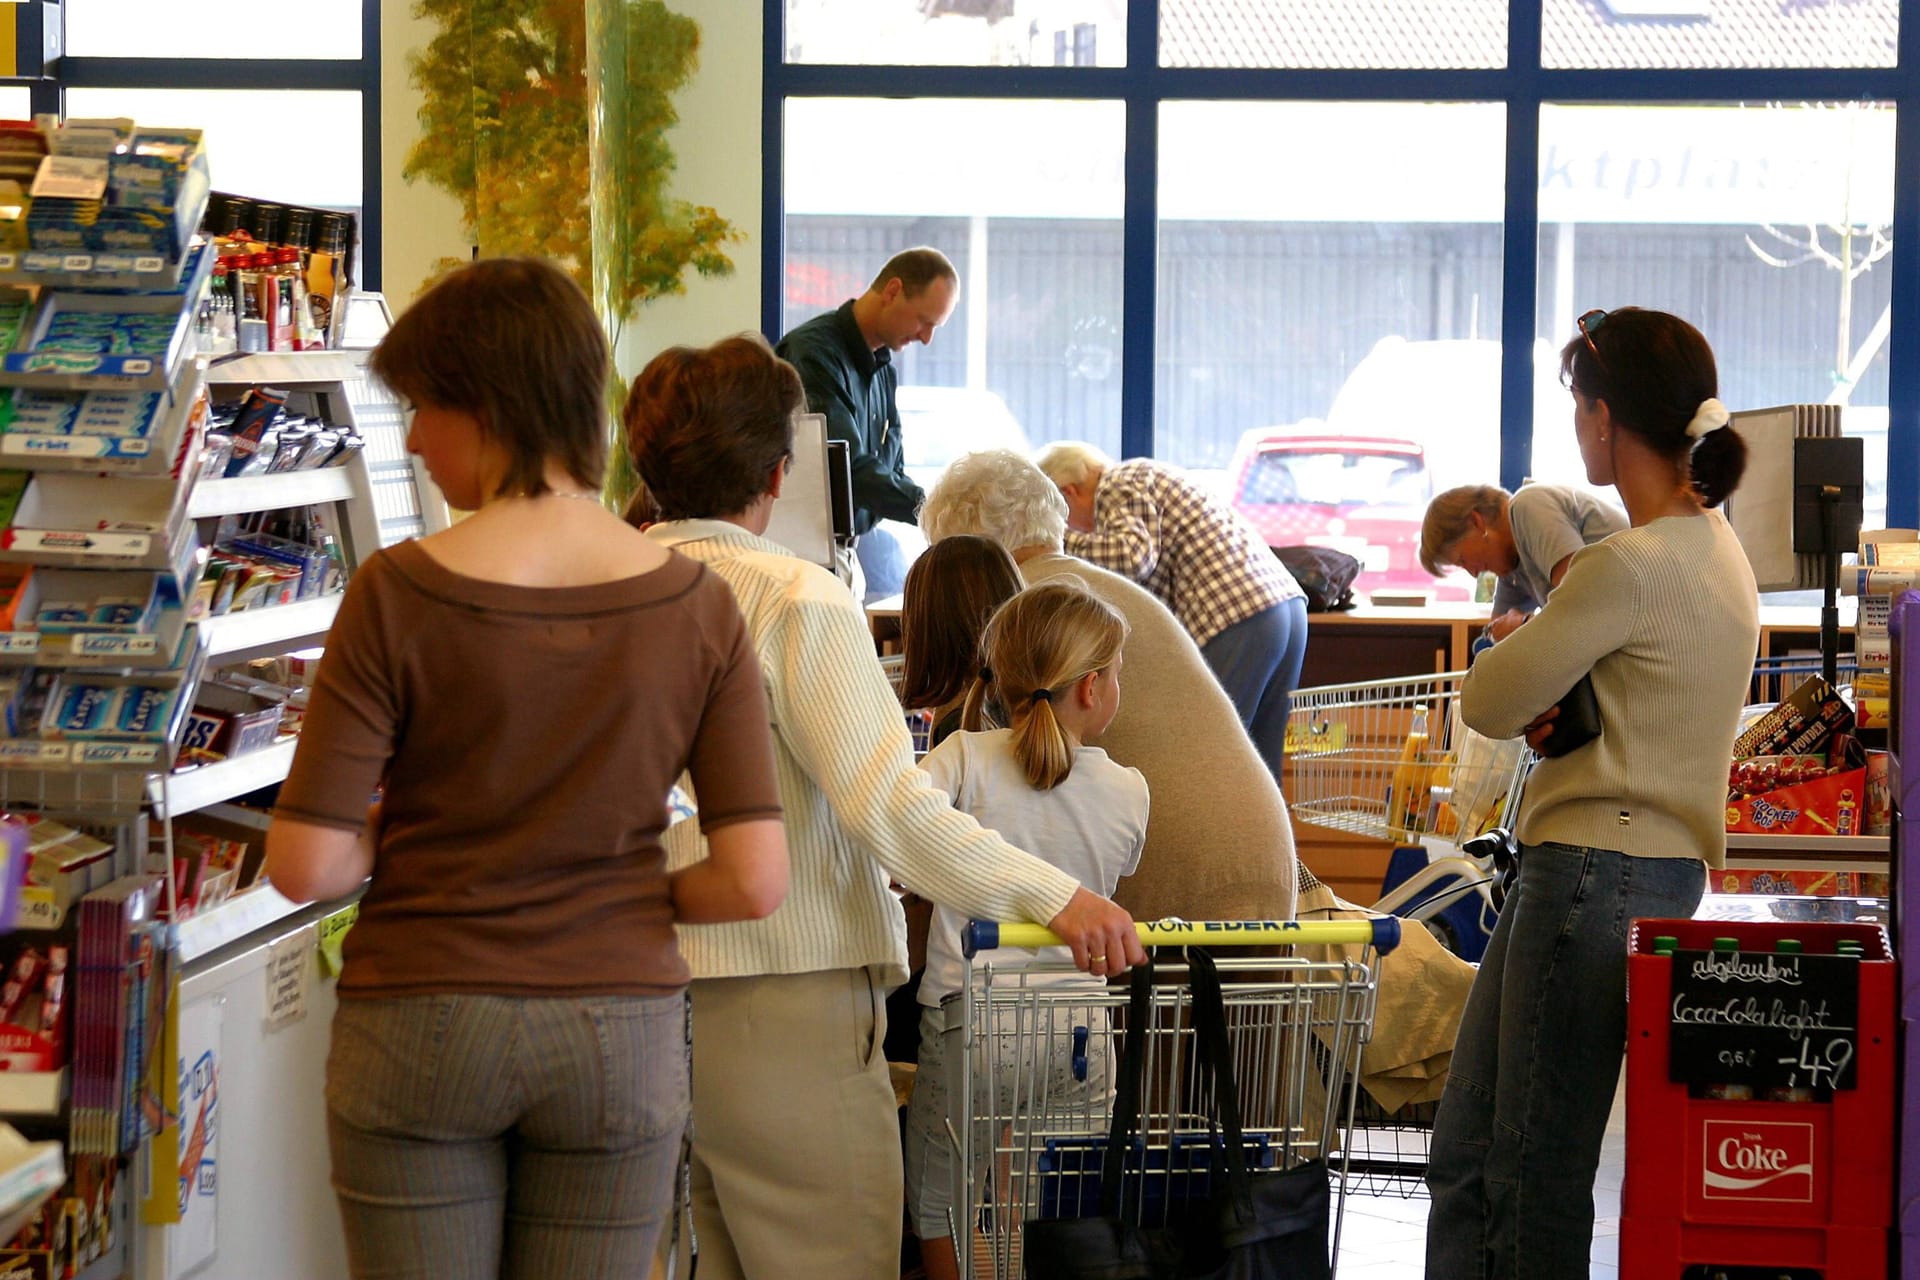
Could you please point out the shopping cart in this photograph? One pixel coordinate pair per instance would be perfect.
(1038, 1045)
(919, 723)
(1391, 760)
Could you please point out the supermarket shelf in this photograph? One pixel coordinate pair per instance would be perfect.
(1865, 846)
(1810, 853)
(232, 920)
(32, 1093)
(270, 492)
(206, 784)
(276, 629)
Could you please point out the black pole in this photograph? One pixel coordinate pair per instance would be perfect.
(1830, 568)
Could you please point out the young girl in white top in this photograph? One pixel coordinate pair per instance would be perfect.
(1053, 662)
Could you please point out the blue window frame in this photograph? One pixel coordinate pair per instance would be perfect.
(1522, 86)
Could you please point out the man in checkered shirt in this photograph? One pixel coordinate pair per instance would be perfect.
(1147, 521)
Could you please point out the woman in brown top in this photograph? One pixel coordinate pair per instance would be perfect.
(507, 1085)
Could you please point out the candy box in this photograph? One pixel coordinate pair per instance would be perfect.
(1831, 806)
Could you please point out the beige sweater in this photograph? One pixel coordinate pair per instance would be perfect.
(1219, 843)
(1666, 618)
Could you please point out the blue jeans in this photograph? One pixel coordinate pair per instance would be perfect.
(1517, 1139)
(500, 1136)
(1257, 661)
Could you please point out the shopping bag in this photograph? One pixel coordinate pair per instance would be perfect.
(1266, 1225)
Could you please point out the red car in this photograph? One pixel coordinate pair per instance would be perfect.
(1364, 495)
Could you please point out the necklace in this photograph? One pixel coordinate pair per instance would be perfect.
(576, 493)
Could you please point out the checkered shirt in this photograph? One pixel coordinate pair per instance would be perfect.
(1202, 557)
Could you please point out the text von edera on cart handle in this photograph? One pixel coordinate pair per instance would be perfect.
(1382, 933)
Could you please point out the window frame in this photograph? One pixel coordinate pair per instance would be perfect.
(1523, 85)
(361, 76)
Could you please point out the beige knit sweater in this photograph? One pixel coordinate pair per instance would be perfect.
(1219, 843)
(1666, 618)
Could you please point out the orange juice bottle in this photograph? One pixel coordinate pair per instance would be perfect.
(1407, 796)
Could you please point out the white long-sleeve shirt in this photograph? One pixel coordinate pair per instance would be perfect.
(857, 808)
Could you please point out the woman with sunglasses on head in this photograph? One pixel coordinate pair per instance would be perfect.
(1664, 617)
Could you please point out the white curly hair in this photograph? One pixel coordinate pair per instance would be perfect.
(997, 494)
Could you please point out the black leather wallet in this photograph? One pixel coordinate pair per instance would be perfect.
(1578, 722)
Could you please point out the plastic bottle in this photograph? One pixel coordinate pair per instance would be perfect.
(1407, 796)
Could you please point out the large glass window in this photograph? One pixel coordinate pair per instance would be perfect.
(1025, 198)
(1768, 227)
(211, 29)
(1327, 346)
(322, 168)
(1313, 33)
(1633, 34)
(967, 33)
(1329, 251)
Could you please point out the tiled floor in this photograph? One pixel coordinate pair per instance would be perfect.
(1384, 1237)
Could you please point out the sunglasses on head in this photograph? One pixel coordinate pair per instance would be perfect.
(1589, 324)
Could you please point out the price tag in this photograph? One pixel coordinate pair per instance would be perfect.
(77, 262)
(149, 266)
(289, 974)
(9, 262)
(15, 643)
(105, 644)
(333, 934)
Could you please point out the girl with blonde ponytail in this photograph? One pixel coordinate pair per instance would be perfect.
(1052, 662)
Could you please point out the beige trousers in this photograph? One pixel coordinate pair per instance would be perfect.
(796, 1140)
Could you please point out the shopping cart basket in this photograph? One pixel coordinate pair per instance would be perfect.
(1391, 760)
(1038, 1044)
(919, 723)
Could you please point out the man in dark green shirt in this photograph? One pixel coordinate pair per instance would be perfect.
(845, 359)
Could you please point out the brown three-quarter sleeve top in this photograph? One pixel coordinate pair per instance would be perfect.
(527, 738)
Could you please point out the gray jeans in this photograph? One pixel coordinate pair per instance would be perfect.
(479, 1136)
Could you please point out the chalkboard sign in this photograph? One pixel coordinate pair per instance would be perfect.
(1764, 1019)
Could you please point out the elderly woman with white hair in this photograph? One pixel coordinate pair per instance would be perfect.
(1219, 844)
(1147, 521)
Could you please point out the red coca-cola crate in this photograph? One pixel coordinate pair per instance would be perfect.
(1802, 1185)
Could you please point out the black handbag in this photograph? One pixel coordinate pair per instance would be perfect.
(1265, 1225)
(1324, 574)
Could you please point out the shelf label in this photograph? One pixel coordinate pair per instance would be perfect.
(8, 261)
(108, 645)
(150, 265)
(77, 542)
(15, 643)
(39, 909)
(77, 262)
(99, 754)
(58, 446)
(31, 753)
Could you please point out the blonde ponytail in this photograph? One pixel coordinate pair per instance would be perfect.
(1038, 646)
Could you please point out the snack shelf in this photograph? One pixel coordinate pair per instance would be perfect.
(33, 1093)
(146, 455)
(57, 523)
(238, 916)
(138, 272)
(196, 788)
(66, 371)
(270, 492)
(275, 629)
(101, 650)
